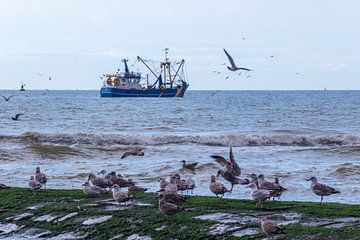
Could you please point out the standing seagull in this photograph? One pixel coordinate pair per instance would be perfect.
(217, 188)
(259, 195)
(40, 177)
(167, 208)
(120, 196)
(233, 66)
(321, 189)
(7, 98)
(16, 118)
(34, 185)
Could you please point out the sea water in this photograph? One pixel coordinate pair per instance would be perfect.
(292, 135)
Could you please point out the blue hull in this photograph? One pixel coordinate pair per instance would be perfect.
(115, 92)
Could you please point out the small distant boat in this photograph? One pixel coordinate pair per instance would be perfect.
(22, 87)
(169, 81)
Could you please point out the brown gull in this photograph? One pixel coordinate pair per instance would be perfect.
(122, 182)
(280, 189)
(189, 166)
(163, 183)
(93, 191)
(100, 182)
(181, 184)
(136, 189)
(172, 197)
(270, 227)
(172, 186)
(34, 184)
(167, 208)
(120, 196)
(133, 152)
(321, 189)
(230, 165)
(264, 184)
(40, 177)
(233, 66)
(217, 187)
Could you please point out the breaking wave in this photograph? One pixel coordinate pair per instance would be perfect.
(45, 149)
(240, 140)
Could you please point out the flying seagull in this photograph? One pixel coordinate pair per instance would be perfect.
(226, 77)
(49, 78)
(233, 66)
(7, 98)
(16, 118)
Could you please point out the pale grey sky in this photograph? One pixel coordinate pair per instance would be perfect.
(76, 41)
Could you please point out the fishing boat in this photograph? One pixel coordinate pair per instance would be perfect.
(168, 81)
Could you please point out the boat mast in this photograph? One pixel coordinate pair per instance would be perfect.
(126, 67)
(140, 59)
(181, 64)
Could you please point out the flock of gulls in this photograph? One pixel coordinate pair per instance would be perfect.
(172, 192)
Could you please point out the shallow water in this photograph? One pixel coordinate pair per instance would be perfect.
(290, 134)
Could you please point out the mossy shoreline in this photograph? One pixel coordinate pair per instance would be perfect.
(300, 220)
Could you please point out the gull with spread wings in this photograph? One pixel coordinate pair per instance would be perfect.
(233, 66)
(230, 165)
(231, 171)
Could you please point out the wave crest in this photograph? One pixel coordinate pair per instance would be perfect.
(239, 140)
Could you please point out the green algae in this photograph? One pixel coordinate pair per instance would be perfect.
(146, 220)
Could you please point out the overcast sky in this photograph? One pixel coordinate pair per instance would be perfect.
(76, 41)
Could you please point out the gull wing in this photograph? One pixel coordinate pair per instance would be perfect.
(219, 159)
(235, 167)
(231, 60)
(245, 69)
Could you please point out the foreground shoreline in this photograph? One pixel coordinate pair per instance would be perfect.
(69, 214)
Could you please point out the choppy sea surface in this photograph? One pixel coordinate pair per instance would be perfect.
(290, 134)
